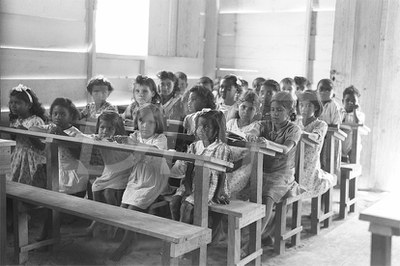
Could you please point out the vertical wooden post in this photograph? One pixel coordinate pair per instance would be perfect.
(91, 39)
(211, 38)
(20, 231)
(381, 250)
(307, 48)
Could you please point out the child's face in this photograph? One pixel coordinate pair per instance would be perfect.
(289, 88)
(182, 84)
(350, 102)
(143, 94)
(204, 130)
(61, 117)
(279, 113)
(194, 103)
(100, 93)
(166, 87)
(266, 92)
(147, 125)
(227, 90)
(247, 111)
(325, 95)
(106, 129)
(307, 109)
(19, 107)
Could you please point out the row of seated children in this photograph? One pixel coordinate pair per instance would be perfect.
(209, 127)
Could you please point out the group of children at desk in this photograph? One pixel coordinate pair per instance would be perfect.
(134, 181)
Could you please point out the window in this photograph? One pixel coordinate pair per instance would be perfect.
(122, 27)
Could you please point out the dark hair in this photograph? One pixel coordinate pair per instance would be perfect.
(257, 83)
(99, 81)
(235, 81)
(23, 92)
(181, 75)
(155, 110)
(244, 83)
(302, 83)
(169, 75)
(148, 82)
(285, 99)
(67, 104)
(273, 84)
(325, 85)
(288, 81)
(217, 120)
(205, 95)
(206, 80)
(351, 90)
(314, 98)
(115, 120)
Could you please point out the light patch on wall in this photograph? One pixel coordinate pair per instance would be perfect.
(122, 27)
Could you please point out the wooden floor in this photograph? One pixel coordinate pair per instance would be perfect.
(346, 243)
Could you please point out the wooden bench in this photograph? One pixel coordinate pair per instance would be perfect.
(178, 238)
(384, 219)
(5, 158)
(201, 179)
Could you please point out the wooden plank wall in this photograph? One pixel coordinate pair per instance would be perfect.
(269, 38)
(366, 55)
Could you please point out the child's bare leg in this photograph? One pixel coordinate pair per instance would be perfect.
(268, 212)
(97, 196)
(126, 240)
(175, 206)
(111, 197)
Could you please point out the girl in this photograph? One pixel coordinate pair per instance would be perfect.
(144, 91)
(149, 177)
(278, 179)
(315, 180)
(256, 85)
(207, 83)
(210, 129)
(182, 82)
(243, 124)
(301, 84)
(199, 98)
(288, 84)
(170, 96)
(27, 159)
(99, 88)
(110, 186)
(268, 89)
(230, 86)
(73, 176)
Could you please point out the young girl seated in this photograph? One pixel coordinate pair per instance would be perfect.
(144, 91)
(199, 98)
(268, 89)
(110, 186)
(244, 123)
(149, 176)
(278, 179)
(230, 87)
(351, 115)
(170, 96)
(99, 88)
(28, 161)
(210, 130)
(73, 175)
(315, 180)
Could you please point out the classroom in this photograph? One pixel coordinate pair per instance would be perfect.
(212, 132)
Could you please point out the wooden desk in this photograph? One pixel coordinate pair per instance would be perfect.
(5, 159)
(384, 218)
(356, 132)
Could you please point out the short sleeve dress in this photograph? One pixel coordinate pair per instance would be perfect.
(149, 176)
(28, 164)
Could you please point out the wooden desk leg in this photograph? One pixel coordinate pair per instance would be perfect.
(255, 240)
(316, 209)
(233, 241)
(3, 220)
(20, 231)
(344, 192)
(352, 193)
(381, 249)
(166, 257)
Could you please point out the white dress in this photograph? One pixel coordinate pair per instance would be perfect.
(149, 176)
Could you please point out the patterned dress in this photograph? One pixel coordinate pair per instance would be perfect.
(149, 176)
(90, 111)
(28, 164)
(173, 109)
(315, 180)
(218, 150)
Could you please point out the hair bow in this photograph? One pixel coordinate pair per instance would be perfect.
(23, 88)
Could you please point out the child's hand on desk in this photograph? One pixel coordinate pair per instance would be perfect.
(221, 198)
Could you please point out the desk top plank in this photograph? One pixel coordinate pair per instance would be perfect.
(385, 212)
(151, 225)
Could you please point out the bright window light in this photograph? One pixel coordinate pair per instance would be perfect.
(122, 27)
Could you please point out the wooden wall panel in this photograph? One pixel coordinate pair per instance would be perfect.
(118, 67)
(261, 5)
(25, 63)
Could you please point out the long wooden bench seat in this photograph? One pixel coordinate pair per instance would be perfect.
(179, 238)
